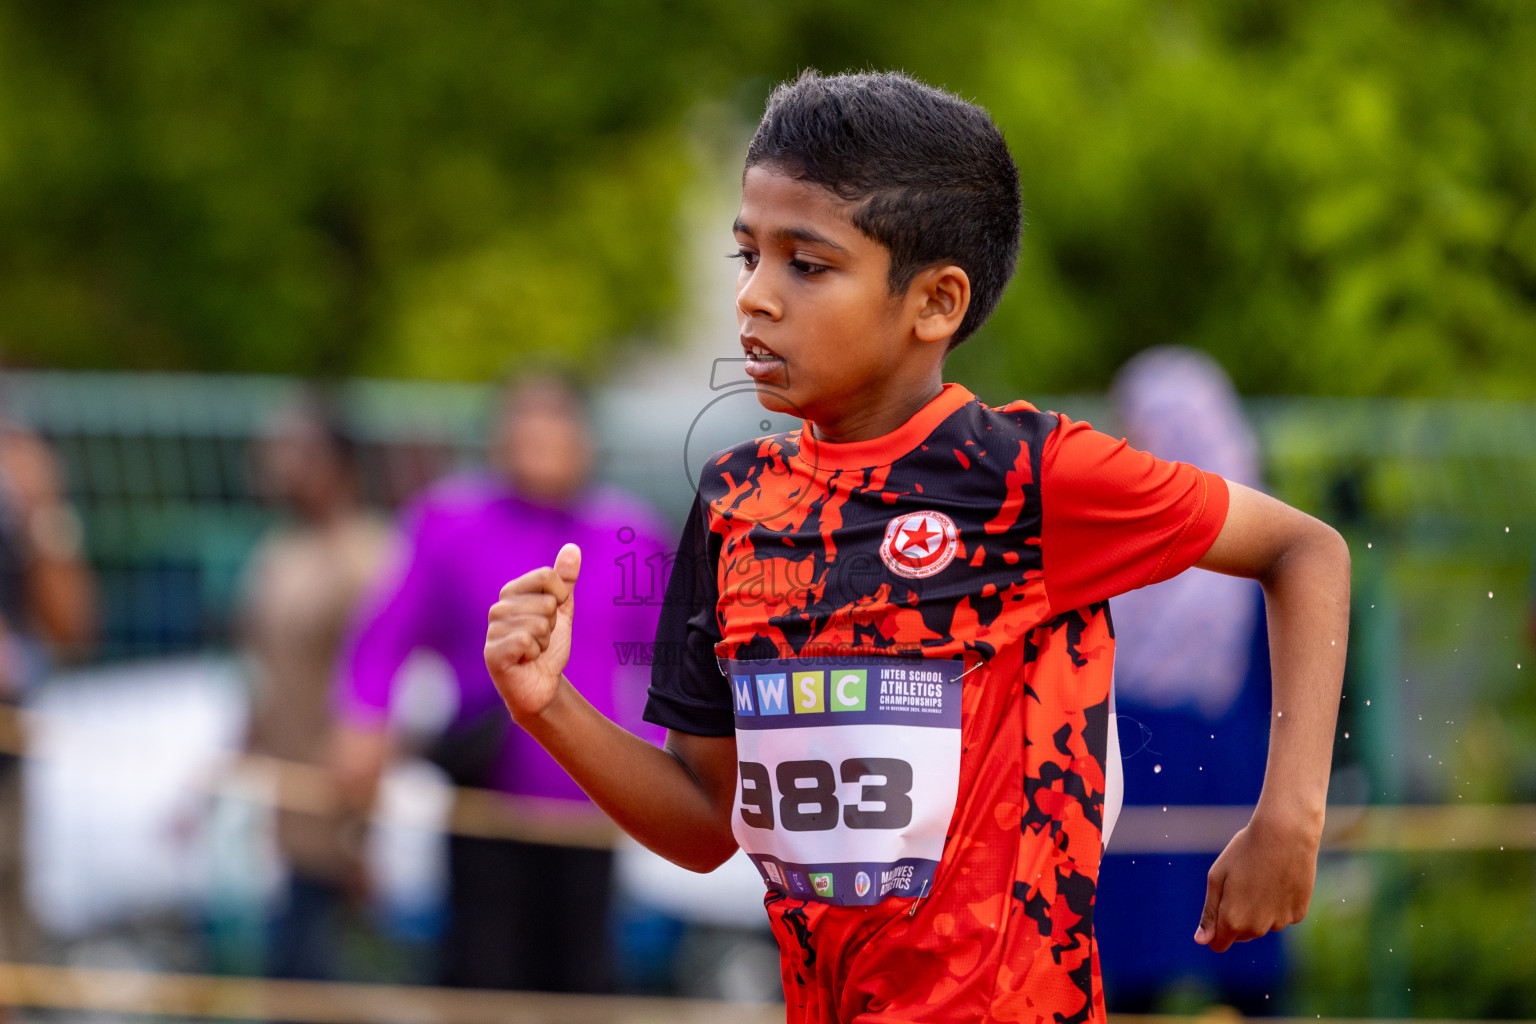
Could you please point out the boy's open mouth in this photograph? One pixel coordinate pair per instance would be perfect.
(763, 364)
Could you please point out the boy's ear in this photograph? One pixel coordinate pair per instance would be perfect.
(941, 294)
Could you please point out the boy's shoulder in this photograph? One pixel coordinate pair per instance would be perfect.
(976, 436)
(1019, 414)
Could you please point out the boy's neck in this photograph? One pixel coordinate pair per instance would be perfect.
(880, 415)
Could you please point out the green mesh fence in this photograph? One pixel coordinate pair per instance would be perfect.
(159, 467)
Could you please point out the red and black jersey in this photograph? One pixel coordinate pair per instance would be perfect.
(990, 535)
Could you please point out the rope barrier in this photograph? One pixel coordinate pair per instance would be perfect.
(1439, 828)
(308, 789)
(33, 986)
(1173, 829)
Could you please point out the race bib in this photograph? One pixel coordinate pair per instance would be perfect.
(848, 770)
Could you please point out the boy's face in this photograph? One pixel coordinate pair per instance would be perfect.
(813, 306)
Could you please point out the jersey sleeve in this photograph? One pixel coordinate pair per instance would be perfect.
(1115, 518)
(688, 693)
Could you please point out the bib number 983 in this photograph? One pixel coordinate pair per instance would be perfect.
(808, 794)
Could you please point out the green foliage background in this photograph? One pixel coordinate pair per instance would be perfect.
(1332, 198)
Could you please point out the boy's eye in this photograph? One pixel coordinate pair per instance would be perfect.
(747, 257)
(807, 269)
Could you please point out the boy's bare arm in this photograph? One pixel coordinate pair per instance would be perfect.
(1263, 879)
(678, 801)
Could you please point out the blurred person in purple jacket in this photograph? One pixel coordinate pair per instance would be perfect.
(521, 915)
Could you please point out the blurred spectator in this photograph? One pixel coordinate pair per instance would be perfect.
(301, 588)
(521, 915)
(1192, 696)
(47, 609)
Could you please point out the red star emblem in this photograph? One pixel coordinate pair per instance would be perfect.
(919, 544)
(918, 537)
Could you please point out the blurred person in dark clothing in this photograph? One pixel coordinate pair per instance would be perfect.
(47, 610)
(301, 587)
(521, 915)
(1192, 691)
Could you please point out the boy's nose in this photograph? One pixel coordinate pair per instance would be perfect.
(754, 295)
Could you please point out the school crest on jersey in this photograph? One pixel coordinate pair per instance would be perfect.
(919, 544)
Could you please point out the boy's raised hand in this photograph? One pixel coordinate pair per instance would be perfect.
(1261, 883)
(528, 641)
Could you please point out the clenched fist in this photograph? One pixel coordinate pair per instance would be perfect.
(1261, 883)
(529, 638)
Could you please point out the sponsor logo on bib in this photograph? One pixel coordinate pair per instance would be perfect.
(773, 872)
(860, 883)
(919, 544)
(822, 883)
(898, 879)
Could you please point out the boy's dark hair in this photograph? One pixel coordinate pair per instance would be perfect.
(931, 174)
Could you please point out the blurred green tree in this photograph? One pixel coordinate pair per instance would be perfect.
(341, 186)
(1331, 198)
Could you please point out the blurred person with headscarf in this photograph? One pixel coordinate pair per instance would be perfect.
(47, 611)
(521, 915)
(301, 587)
(1192, 691)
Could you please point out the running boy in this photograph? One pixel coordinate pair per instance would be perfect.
(889, 635)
